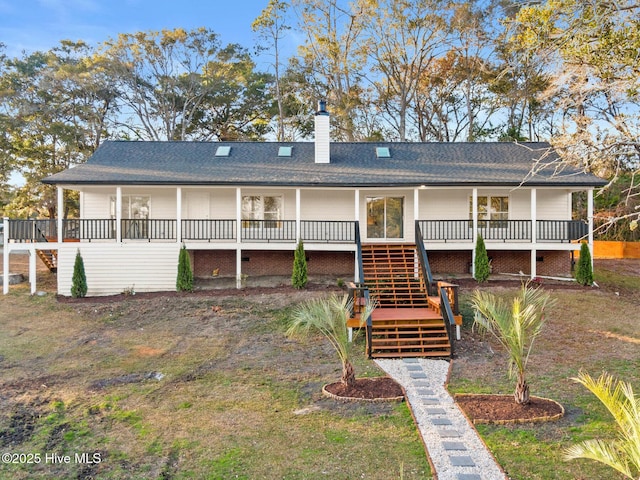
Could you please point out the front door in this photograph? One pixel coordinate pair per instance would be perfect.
(198, 205)
(385, 218)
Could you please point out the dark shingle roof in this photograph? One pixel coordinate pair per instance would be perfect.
(352, 164)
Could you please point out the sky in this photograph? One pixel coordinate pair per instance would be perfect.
(32, 25)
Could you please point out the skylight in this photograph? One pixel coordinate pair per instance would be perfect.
(284, 151)
(383, 152)
(223, 151)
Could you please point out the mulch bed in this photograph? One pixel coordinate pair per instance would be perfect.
(367, 389)
(503, 409)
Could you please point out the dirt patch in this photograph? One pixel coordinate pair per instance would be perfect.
(381, 388)
(503, 409)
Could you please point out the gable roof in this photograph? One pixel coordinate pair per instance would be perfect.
(352, 165)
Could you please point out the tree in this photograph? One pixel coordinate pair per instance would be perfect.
(332, 60)
(595, 85)
(515, 326)
(623, 453)
(272, 27)
(584, 272)
(329, 316)
(408, 35)
(299, 275)
(79, 279)
(184, 282)
(54, 114)
(481, 268)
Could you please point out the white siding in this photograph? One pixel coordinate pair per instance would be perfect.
(327, 204)
(554, 204)
(520, 204)
(112, 268)
(440, 204)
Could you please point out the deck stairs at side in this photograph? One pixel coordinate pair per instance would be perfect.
(405, 324)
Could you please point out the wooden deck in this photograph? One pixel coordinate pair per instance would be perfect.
(405, 324)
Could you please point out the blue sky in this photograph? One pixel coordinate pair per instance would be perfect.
(40, 24)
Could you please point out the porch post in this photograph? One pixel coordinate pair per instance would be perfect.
(474, 215)
(534, 231)
(590, 220)
(179, 215)
(60, 210)
(298, 216)
(416, 205)
(238, 237)
(5, 256)
(32, 269)
(118, 214)
(356, 216)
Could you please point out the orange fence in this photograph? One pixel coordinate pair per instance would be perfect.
(603, 249)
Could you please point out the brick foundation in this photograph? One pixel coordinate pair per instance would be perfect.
(276, 262)
(549, 263)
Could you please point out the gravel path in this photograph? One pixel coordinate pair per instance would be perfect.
(453, 445)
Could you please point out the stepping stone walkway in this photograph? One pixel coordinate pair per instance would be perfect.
(453, 445)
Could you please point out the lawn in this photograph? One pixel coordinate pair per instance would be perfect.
(181, 386)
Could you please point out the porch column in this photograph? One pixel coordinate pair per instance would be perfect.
(474, 221)
(534, 231)
(60, 210)
(118, 214)
(5, 256)
(356, 216)
(179, 214)
(298, 216)
(238, 237)
(32, 269)
(590, 220)
(416, 204)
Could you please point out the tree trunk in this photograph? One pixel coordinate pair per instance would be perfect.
(348, 374)
(521, 394)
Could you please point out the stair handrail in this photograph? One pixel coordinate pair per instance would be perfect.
(447, 315)
(367, 299)
(424, 260)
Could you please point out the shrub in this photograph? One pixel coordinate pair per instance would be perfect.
(184, 283)
(299, 275)
(481, 265)
(79, 279)
(584, 272)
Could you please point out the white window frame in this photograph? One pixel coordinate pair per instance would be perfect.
(259, 215)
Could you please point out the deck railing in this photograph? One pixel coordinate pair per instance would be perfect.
(209, 230)
(503, 230)
(312, 231)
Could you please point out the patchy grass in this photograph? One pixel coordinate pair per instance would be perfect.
(593, 329)
(186, 387)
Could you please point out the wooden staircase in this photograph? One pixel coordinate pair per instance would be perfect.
(49, 258)
(404, 324)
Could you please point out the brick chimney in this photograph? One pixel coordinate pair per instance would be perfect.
(322, 136)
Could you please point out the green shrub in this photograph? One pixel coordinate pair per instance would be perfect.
(299, 275)
(184, 283)
(481, 265)
(79, 279)
(584, 272)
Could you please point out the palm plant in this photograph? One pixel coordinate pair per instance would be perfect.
(329, 316)
(515, 326)
(622, 454)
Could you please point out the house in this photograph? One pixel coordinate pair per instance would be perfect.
(240, 207)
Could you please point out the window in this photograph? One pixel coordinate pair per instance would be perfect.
(261, 211)
(383, 152)
(133, 207)
(223, 151)
(284, 151)
(385, 217)
(494, 209)
(134, 213)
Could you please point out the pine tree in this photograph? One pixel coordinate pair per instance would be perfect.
(299, 275)
(584, 273)
(79, 279)
(481, 266)
(184, 283)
